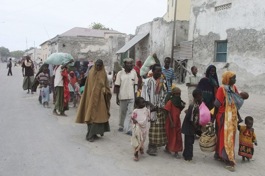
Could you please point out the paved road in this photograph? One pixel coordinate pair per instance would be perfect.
(33, 142)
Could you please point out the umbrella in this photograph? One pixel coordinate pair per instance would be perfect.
(59, 59)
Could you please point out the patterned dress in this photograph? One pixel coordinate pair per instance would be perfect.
(246, 139)
(156, 92)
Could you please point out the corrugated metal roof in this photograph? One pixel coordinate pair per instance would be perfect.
(184, 51)
(78, 31)
(132, 42)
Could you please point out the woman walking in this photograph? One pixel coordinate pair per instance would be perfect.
(95, 102)
(28, 74)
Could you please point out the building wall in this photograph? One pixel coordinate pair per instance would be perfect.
(45, 51)
(160, 36)
(242, 24)
(90, 48)
(183, 10)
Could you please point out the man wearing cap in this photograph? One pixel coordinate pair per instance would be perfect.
(125, 88)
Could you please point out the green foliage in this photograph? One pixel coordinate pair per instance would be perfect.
(16, 54)
(98, 26)
(4, 52)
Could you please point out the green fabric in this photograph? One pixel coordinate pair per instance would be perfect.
(59, 104)
(97, 128)
(27, 82)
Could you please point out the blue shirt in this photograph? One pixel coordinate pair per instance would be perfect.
(170, 76)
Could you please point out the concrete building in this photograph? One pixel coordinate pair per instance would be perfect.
(86, 44)
(156, 37)
(230, 35)
(182, 13)
(35, 54)
(45, 50)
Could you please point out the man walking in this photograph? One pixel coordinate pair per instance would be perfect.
(125, 88)
(9, 66)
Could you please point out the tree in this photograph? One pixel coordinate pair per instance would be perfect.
(98, 26)
(17, 54)
(4, 53)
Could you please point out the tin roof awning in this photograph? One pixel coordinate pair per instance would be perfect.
(132, 42)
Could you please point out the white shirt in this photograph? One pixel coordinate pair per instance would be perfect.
(192, 80)
(126, 81)
(58, 80)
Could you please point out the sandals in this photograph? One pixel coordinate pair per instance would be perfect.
(230, 168)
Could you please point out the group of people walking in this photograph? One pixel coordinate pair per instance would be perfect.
(155, 111)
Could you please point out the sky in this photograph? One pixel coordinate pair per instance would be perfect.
(28, 23)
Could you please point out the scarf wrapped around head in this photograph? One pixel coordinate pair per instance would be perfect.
(175, 99)
(226, 77)
(214, 77)
(230, 90)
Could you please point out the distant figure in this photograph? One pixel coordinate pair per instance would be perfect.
(168, 73)
(9, 66)
(28, 74)
(192, 82)
(110, 79)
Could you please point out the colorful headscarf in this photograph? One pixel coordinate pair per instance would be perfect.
(226, 77)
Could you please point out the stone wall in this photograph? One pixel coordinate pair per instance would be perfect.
(160, 38)
(91, 48)
(241, 24)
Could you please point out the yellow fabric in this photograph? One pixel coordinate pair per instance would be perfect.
(95, 102)
(226, 77)
(248, 137)
(230, 127)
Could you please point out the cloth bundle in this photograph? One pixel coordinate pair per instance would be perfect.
(59, 59)
(146, 66)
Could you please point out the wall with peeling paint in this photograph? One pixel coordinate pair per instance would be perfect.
(90, 48)
(160, 38)
(242, 25)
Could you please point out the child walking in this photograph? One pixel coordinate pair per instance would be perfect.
(190, 125)
(247, 137)
(140, 118)
(45, 94)
(174, 106)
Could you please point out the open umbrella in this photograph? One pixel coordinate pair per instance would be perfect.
(59, 59)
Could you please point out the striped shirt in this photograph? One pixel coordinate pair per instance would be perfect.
(43, 78)
(170, 76)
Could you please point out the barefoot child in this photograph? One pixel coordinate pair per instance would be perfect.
(140, 118)
(174, 106)
(247, 137)
(190, 125)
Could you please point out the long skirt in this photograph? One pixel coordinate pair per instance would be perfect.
(27, 82)
(188, 147)
(157, 132)
(220, 147)
(59, 102)
(97, 128)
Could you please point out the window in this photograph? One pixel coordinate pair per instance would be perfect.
(220, 51)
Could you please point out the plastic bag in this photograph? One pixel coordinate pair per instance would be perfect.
(146, 66)
(59, 59)
(205, 114)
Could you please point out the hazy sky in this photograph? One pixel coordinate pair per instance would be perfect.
(24, 23)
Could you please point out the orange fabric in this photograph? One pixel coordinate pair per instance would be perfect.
(173, 134)
(227, 125)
